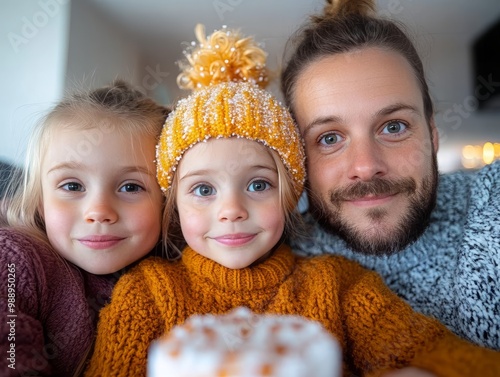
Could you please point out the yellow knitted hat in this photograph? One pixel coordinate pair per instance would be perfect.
(228, 103)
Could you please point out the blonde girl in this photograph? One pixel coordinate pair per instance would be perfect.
(87, 207)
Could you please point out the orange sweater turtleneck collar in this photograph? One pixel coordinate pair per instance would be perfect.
(267, 274)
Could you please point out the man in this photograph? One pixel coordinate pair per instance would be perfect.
(356, 87)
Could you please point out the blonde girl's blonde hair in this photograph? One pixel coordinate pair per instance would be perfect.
(118, 104)
(173, 241)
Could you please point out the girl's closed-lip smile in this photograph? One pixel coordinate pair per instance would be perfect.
(100, 241)
(236, 239)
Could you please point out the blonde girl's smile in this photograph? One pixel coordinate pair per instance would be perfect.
(100, 242)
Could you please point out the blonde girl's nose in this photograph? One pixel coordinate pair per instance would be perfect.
(101, 211)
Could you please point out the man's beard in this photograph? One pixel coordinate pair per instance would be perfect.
(409, 229)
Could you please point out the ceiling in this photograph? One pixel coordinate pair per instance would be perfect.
(443, 31)
(160, 27)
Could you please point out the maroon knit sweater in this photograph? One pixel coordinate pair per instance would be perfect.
(51, 324)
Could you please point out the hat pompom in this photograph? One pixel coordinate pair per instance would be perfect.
(224, 56)
(227, 74)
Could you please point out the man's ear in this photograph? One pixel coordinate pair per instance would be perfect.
(435, 135)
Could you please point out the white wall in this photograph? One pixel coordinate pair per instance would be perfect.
(445, 45)
(99, 51)
(33, 58)
(50, 48)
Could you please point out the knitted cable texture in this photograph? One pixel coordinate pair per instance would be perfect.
(375, 329)
(453, 271)
(55, 309)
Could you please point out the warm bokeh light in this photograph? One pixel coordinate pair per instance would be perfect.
(468, 152)
(488, 153)
(496, 146)
(476, 156)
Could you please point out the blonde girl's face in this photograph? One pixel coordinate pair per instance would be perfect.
(101, 202)
(228, 201)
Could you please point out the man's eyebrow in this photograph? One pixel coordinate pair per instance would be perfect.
(397, 107)
(320, 121)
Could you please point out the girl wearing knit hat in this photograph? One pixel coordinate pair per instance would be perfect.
(231, 165)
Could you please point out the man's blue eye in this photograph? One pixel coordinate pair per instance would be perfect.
(258, 186)
(394, 127)
(204, 190)
(330, 139)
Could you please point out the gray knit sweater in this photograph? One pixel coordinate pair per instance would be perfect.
(453, 271)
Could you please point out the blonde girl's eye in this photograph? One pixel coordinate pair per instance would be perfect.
(72, 186)
(259, 185)
(203, 190)
(131, 187)
(394, 127)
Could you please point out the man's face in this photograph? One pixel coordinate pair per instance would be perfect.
(371, 160)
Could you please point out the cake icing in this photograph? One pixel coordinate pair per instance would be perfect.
(244, 344)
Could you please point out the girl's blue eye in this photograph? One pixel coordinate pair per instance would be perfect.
(130, 187)
(72, 186)
(204, 190)
(394, 127)
(259, 186)
(330, 139)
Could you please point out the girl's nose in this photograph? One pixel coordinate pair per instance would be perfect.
(100, 210)
(232, 209)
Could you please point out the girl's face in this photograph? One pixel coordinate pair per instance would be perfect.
(228, 201)
(101, 202)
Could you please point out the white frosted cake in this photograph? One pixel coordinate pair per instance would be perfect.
(244, 344)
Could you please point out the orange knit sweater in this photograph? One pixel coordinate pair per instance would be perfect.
(376, 329)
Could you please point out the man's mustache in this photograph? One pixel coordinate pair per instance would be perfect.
(375, 187)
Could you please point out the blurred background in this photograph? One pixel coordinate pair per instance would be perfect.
(50, 47)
